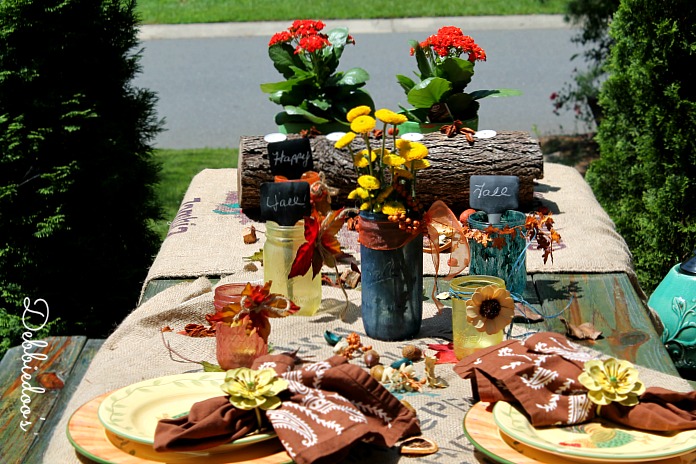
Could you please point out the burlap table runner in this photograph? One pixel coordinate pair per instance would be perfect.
(205, 238)
(135, 351)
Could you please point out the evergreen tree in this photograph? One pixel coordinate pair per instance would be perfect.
(76, 166)
(646, 176)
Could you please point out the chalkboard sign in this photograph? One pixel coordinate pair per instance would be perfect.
(494, 194)
(290, 158)
(285, 202)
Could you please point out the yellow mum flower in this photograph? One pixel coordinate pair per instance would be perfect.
(345, 140)
(416, 151)
(250, 389)
(359, 193)
(611, 380)
(403, 144)
(361, 110)
(393, 160)
(360, 161)
(365, 206)
(390, 117)
(490, 309)
(399, 172)
(363, 124)
(393, 207)
(419, 164)
(368, 182)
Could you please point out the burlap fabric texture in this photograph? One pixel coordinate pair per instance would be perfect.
(205, 238)
(135, 352)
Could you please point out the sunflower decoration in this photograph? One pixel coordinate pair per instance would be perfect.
(386, 177)
(490, 309)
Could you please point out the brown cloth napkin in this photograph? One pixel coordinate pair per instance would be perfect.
(328, 407)
(540, 374)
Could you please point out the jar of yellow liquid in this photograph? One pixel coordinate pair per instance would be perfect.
(466, 338)
(279, 252)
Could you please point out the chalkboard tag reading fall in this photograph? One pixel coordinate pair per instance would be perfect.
(494, 195)
(285, 202)
(290, 158)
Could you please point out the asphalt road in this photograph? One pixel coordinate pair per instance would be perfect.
(208, 81)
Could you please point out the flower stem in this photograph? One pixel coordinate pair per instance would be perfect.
(258, 417)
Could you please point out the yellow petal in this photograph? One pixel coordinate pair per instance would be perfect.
(368, 182)
(357, 111)
(344, 141)
(362, 124)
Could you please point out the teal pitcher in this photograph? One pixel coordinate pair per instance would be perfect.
(674, 301)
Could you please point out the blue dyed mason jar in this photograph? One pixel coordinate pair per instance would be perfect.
(392, 284)
(509, 262)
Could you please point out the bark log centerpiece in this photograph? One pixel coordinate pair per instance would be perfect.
(453, 161)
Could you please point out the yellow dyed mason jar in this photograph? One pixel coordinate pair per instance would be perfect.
(279, 252)
(467, 339)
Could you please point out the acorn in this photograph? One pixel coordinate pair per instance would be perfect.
(377, 371)
(371, 358)
(412, 352)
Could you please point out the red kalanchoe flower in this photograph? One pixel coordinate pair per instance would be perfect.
(280, 37)
(306, 27)
(312, 43)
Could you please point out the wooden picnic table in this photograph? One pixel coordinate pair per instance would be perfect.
(609, 301)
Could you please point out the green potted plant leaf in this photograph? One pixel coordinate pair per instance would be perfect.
(314, 93)
(439, 97)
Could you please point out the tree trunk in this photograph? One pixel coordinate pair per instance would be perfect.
(452, 161)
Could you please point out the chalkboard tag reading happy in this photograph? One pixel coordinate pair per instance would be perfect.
(290, 158)
(285, 202)
(494, 195)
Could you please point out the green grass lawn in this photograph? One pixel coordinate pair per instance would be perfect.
(207, 11)
(178, 168)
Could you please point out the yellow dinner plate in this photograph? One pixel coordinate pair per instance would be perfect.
(594, 441)
(133, 412)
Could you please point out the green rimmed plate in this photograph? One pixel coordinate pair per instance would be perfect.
(133, 412)
(595, 441)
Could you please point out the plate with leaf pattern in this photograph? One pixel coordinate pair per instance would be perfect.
(133, 412)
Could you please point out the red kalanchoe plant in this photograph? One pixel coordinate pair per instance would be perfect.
(313, 90)
(444, 74)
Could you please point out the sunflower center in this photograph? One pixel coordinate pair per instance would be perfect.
(490, 309)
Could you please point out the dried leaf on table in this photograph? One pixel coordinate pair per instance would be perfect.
(249, 234)
(527, 314)
(258, 256)
(584, 331)
(350, 278)
(433, 380)
(50, 381)
(250, 267)
(198, 330)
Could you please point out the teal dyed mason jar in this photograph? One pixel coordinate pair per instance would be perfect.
(508, 262)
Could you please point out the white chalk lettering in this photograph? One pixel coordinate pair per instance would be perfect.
(285, 202)
(296, 158)
(480, 190)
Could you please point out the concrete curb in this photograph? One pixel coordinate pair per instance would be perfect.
(356, 26)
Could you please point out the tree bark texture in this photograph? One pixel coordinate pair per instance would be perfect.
(453, 161)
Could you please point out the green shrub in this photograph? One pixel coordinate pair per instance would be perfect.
(580, 96)
(76, 172)
(646, 175)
